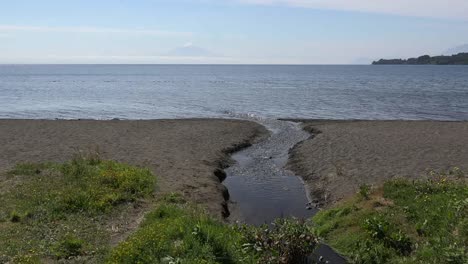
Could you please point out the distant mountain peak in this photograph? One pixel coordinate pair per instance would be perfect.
(459, 49)
(190, 50)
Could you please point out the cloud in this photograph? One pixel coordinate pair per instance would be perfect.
(188, 44)
(453, 9)
(16, 28)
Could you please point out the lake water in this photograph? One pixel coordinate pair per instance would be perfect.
(180, 91)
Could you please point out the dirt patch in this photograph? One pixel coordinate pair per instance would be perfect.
(342, 155)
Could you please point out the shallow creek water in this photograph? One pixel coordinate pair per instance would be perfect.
(260, 187)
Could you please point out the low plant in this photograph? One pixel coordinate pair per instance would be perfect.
(69, 246)
(103, 184)
(15, 217)
(368, 251)
(29, 168)
(382, 231)
(174, 198)
(364, 191)
(284, 241)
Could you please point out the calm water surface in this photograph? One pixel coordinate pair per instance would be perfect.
(179, 91)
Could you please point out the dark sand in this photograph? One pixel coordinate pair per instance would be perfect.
(342, 155)
(184, 154)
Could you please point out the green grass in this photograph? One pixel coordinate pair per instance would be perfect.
(57, 211)
(402, 222)
(180, 233)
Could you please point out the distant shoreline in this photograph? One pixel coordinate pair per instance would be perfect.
(457, 59)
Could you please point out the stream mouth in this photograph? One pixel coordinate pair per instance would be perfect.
(261, 189)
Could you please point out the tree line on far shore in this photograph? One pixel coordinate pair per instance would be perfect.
(457, 59)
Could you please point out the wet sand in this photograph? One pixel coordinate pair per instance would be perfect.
(342, 155)
(186, 155)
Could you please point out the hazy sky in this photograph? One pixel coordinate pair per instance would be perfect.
(227, 31)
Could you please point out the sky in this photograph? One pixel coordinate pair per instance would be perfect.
(228, 31)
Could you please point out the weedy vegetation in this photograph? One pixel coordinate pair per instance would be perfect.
(364, 191)
(54, 211)
(177, 232)
(423, 221)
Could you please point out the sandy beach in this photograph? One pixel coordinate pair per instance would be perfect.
(184, 154)
(342, 155)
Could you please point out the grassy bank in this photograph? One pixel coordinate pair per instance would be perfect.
(179, 233)
(51, 212)
(402, 222)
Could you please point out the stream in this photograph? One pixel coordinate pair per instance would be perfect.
(260, 187)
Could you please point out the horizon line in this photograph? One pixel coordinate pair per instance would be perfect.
(194, 64)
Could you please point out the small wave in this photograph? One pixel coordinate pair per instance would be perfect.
(238, 115)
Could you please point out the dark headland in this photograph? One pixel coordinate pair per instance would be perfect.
(457, 59)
